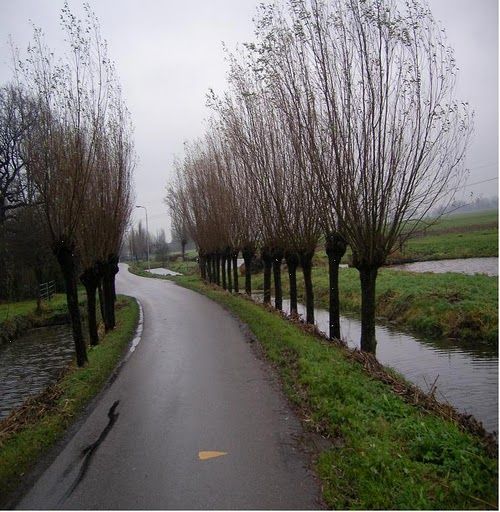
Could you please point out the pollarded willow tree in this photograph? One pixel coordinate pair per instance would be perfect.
(352, 103)
(106, 213)
(283, 61)
(396, 133)
(74, 144)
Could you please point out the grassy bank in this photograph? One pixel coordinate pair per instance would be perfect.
(17, 317)
(382, 452)
(454, 306)
(451, 306)
(33, 429)
(9, 310)
(184, 267)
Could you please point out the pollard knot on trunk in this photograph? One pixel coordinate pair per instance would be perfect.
(305, 257)
(368, 261)
(266, 255)
(291, 258)
(277, 254)
(335, 246)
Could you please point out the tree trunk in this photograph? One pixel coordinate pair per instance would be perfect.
(278, 291)
(223, 270)
(214, 269)
(267, 258)
(292, 262)
(335, 248)
(306, 264)
(108, 299)
(208, 264)
(248, 254)
(110, 271)
(211, 267)
(90, 278)
(183, 248)
(368, 278)
(65, 258)
(217, 268)
(114, 259)
(101, 295)
(229, 273)
(203, 268)
(236, 284)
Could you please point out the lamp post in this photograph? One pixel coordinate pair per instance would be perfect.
(147, 231)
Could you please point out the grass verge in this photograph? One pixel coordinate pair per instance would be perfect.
(30, 431)
(383, 453)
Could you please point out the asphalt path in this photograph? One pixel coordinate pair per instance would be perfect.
(193, 385)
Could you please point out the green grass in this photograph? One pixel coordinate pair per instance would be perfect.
(455, 306)
(17, 317)
(435, 305)
(387, 454)
(184, 267)
(19, 451)
(465, 220)
(468, 235)
(8, 310)
(475, 244)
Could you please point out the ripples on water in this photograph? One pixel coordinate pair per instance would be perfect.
(31, 363)
(467, 374)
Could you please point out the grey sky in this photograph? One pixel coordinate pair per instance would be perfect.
(168, 53)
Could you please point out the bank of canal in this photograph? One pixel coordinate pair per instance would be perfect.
(463, 374)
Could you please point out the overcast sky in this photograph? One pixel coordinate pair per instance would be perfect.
(168, 53)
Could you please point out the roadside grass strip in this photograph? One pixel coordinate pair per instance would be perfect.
(382, 452)
(28, 432)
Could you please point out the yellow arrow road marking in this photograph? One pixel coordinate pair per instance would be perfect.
(210, 455)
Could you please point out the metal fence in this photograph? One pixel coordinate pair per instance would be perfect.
(47, 290)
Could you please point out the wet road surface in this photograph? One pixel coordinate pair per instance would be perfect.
(192, 384)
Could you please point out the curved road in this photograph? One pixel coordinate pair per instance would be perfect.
(193, 384)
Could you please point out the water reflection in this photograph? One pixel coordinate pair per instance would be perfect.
(31, 363)
(467, 375)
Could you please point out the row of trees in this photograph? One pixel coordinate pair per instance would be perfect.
(136, 244)
(67, 157)
(340, 126)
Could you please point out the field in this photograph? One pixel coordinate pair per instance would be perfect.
(470, 235)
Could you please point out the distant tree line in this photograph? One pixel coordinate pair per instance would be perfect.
(339, 127)
(136, 242)
(473, 205)
(66, 163)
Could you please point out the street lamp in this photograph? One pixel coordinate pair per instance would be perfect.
(147, 230)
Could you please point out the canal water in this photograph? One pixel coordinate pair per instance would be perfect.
(466, 375)
(31, 363)
(164, 272)
(488, 266)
